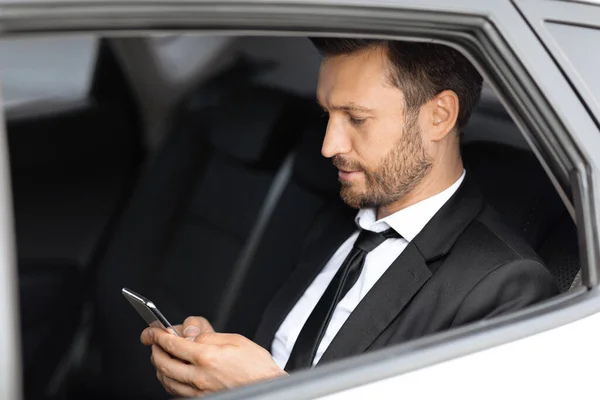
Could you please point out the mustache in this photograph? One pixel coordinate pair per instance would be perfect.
(347, 165)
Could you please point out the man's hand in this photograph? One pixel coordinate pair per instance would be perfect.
(193, 326)
(206, 361)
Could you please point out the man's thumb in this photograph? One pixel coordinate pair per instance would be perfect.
(191, 331)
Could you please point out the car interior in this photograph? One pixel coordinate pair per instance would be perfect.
(196, 188)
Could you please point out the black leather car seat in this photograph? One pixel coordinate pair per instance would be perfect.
(189, 223)
(515, 184)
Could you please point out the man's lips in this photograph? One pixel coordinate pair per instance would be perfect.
(348, 175)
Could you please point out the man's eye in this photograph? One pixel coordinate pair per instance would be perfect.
(357, 121)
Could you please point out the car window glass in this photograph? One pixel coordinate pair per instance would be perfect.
(181, 57)
(50, 69)
(293, 62)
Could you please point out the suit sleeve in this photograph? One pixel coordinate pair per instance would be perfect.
(508, 287)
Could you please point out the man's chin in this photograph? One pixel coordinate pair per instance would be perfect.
(352, 197)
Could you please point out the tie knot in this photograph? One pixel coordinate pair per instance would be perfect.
(369, 240)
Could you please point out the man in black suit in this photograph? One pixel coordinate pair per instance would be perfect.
(423, 254)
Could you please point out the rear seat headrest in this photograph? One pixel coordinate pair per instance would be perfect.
(255, 124)
(311, 169)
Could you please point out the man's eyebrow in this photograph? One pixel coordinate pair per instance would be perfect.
(351, 106)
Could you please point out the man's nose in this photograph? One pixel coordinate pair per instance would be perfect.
(336, 140)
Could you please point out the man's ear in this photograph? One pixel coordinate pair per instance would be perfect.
(444, 112)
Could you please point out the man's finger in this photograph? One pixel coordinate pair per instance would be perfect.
(216, 339)
(178, 329)
(193, 326)
(145, 337)
(161, 378)
(180, 389)
(191, 332)
(171, 367)
(176, 346)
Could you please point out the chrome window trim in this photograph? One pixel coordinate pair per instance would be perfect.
(10, 340)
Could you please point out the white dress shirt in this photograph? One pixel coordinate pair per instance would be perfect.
(407, 222)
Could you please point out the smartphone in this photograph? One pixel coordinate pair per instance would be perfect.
(147, 310)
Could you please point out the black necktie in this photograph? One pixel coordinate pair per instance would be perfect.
(313, 330)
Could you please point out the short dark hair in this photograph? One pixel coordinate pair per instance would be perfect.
(420, 70)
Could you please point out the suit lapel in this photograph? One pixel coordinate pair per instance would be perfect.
(330, 232)
(392, 292)
(407, 274)
(390, 295)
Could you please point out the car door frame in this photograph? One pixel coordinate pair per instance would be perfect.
(10, 340)
(556, 124)
(585, 15)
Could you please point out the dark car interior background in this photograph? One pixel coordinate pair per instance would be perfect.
(219, 207)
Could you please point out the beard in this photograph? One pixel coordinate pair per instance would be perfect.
(398, 173)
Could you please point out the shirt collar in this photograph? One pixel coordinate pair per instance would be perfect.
(409, 221)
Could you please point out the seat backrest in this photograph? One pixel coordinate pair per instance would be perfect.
(312, 189)
(560, 251)
(515, 184)
(188, 221)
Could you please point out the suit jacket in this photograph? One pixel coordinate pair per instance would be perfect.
(464, 266)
